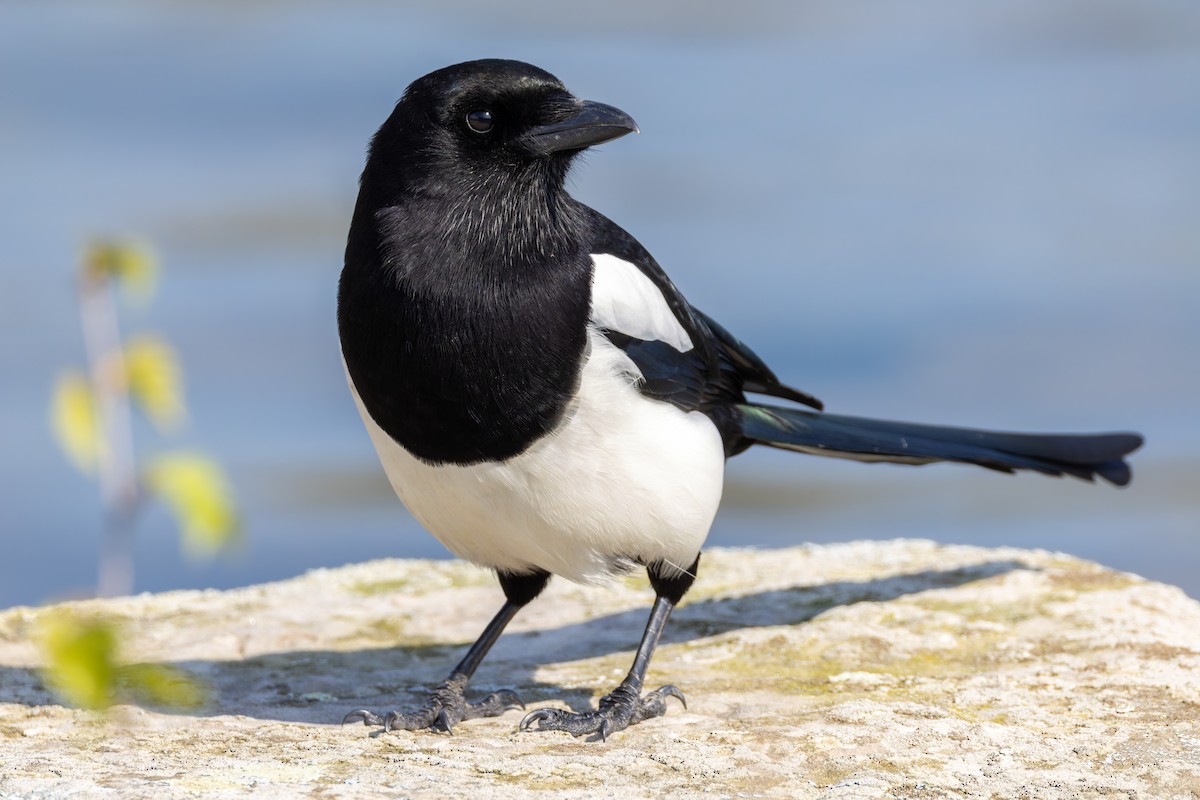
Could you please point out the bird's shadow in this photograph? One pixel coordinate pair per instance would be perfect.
(319, 686)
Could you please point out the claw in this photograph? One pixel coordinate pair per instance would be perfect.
(367, 717)
(444, 708)
(442, 723)
(617, 711)
(606, 728)
(672, 691)
(511, 700)
(536, 716)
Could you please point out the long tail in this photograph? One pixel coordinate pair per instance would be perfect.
(1083, 456)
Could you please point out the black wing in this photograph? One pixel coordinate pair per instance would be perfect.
(712, 374)
(686, 358)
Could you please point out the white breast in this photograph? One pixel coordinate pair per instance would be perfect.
(623, 477)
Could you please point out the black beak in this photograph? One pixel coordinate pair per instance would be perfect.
(592, 123)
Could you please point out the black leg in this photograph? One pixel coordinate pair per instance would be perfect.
(447, 704)
(626, 705)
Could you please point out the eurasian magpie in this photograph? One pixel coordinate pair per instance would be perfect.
(543, 398)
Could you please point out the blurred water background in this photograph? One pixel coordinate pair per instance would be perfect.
(978, 214)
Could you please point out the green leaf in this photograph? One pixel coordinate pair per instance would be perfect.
(74, 421)
(198, 493)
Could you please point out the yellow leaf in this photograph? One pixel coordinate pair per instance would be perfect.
(161, 685)
(81, 667)
(196, 490)
(79, 655)
(73, 419)
(153, 375)
(129, 262)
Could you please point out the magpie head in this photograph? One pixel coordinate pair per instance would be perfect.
(470, 122)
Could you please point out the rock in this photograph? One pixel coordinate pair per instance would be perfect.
(871, 669)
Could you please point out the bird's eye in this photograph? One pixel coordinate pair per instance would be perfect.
(480, 121)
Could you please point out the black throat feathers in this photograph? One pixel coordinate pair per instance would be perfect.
(463, 307)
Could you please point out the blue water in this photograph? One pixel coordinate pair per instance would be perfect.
(941, 212)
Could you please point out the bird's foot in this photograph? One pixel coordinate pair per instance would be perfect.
(445, 708)
(618, 710)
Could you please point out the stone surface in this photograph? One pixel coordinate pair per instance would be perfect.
(871, 669)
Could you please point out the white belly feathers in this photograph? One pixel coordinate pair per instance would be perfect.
(623, 477)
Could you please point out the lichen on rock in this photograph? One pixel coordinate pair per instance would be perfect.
(867, 669)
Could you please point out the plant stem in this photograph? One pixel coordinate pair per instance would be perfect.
(116, 469)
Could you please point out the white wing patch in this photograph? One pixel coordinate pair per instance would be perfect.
(625, 300)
